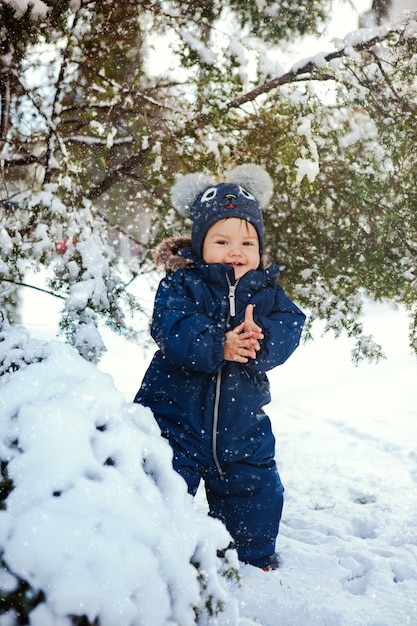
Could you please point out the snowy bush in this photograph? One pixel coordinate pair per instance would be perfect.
(95, 526)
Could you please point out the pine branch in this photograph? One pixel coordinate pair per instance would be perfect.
(306, 71)
(19, 284)
(117, 174)
(58, 88)
(119, 229)
(27, 160)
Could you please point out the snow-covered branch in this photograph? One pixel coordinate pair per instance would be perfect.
(312, 68)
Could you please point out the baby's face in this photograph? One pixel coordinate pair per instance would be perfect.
(234, 242)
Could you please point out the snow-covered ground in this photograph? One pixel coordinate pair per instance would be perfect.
(347, 453)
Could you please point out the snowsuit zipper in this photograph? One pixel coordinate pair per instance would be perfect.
(232, 302)
(232, 313)
(215, 424)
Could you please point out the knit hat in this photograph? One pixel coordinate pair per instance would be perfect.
(197, 196)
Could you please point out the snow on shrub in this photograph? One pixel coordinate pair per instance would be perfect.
(95, 525)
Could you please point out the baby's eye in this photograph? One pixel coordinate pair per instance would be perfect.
(248, 243)
(221, 242)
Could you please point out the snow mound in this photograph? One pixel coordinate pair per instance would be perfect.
(94, 519)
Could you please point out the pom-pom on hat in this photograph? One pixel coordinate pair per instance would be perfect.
(246, 190)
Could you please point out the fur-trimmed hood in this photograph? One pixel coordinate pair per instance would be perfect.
(167, 254)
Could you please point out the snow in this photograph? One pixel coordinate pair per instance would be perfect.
(307, 167)
(37, 7)
(346, 449)
(206, 55)
(97, 518)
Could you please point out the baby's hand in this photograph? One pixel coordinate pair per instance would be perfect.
(250, 326)
(242, 342)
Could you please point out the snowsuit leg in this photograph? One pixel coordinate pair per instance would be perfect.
(186, 467)
(248, 498)
(249, 501)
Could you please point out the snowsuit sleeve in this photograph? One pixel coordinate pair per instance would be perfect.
(184, 335)
(282, 326)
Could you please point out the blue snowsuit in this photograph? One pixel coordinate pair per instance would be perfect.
(210, 409)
